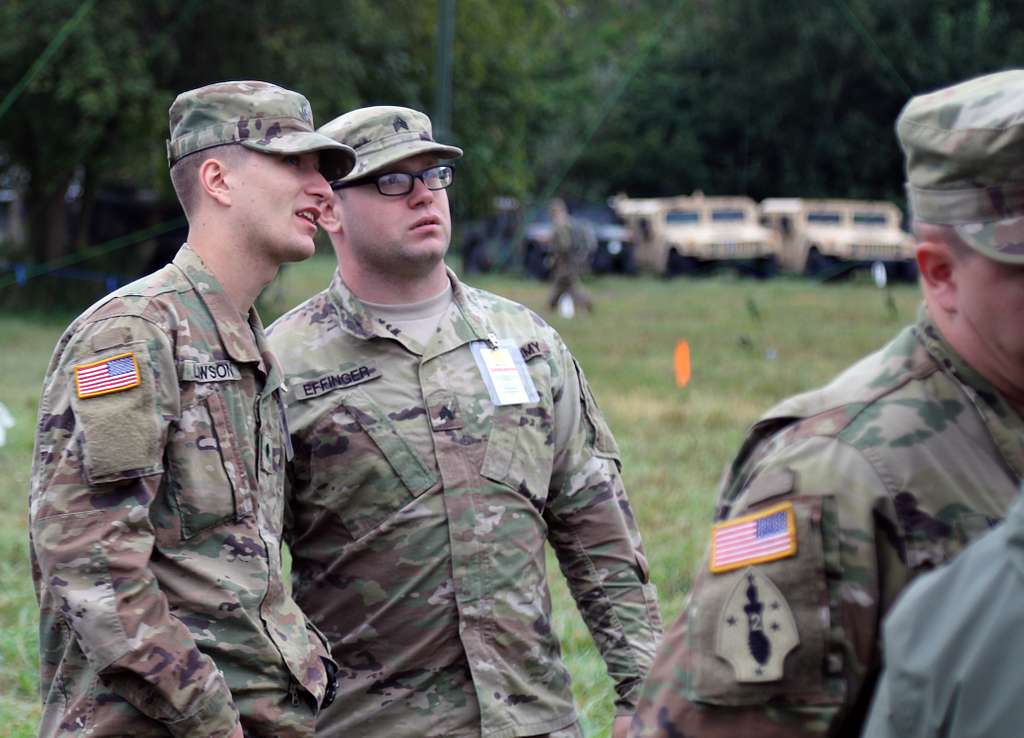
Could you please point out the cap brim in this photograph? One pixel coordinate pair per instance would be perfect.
(379, 161)
(336, 159)
(1001, 240)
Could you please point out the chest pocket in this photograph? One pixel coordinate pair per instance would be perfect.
(364, 471)
(209, 482)
(520, 445)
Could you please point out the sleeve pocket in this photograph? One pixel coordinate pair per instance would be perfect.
(741, 623)
(121, 431)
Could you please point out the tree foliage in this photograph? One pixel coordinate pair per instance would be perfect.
(649, 97)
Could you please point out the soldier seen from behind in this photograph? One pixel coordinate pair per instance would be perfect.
(839, 497)
(157, 496)
(442, 436)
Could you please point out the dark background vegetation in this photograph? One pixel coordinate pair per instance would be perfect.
(648, 97)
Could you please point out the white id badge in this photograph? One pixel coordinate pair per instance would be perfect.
(504, 372)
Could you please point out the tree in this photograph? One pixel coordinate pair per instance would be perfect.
(82, 112)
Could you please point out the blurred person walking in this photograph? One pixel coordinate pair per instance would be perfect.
(839, 497)
(157, 494)
(572, 243)
(442, 436)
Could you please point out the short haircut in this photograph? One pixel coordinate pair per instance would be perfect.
(185, 173)
(946, 234)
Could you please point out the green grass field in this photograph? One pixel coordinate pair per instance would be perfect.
(751, 343)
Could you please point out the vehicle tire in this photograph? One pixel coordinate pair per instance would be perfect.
(766, 267)
(817, 264)
(676, 264)
(905, 271)
(628, 260)
(601, 262)
(536, 262)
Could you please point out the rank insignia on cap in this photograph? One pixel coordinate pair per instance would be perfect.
(115, 374)
(753, 539)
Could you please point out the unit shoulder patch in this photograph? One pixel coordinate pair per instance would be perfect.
(766, 535)
(114, 374)
(756, 629)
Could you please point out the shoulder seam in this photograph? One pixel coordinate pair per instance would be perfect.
(865, 404)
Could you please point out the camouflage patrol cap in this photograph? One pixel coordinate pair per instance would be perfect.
(383, 135)
(257, 115)
(964, 148)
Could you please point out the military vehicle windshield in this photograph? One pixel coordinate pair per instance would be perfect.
(682, 217)
(823, 217)
(869, 219)
(727, 216)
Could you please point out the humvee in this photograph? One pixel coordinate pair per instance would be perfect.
(689, 234)
(820, 238)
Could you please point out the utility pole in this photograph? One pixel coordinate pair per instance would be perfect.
(443, 81)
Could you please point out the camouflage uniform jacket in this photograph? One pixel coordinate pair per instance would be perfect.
(853, 490)
(420, 513)
(156, 517)
(953, 648)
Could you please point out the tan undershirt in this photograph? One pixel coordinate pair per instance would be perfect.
(418, 320)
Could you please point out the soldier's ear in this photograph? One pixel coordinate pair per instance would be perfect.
(329, 214)
(213, 179)
(936, 263)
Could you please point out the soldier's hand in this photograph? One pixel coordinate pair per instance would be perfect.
(621, 726)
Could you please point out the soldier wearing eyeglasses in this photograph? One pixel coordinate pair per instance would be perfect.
(442, 436)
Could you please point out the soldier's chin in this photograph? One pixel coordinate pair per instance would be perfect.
(422, 259)
(298, 251)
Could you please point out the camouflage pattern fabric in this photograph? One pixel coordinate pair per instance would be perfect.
(962, 147)
(419, 514)
(257, 115)
(953, 648)
(887, 472)
(385, 134)
(156, 518)
(571, 245)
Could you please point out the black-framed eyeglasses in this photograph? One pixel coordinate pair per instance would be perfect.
(396, 184)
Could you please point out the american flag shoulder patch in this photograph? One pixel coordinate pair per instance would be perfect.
(766, 535)
(115, 374)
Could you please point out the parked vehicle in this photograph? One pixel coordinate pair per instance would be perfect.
(614, 251)
(691, 234)
(613, 247)
(822, 238)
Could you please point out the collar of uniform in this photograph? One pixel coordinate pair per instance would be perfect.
(357, 320)
(472, 311)
(353, 315)
(1004, 423)
(464, 321)
(268, 362)
(236, 335)
(945, 355)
